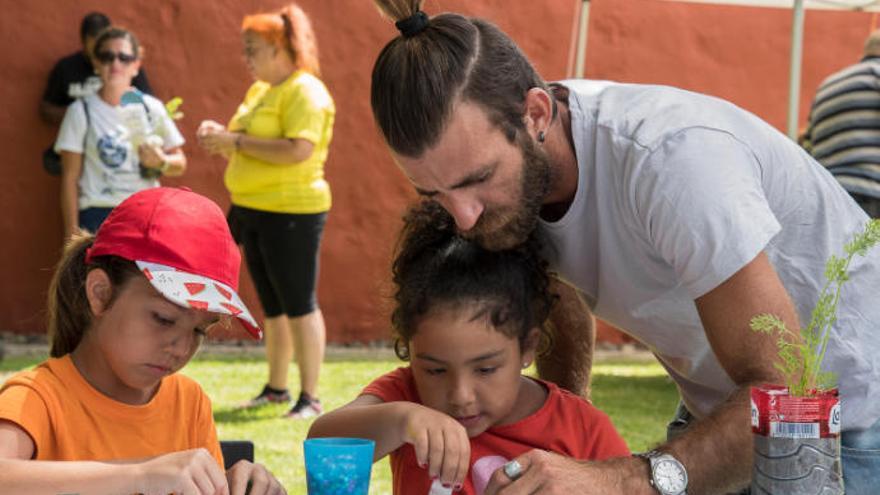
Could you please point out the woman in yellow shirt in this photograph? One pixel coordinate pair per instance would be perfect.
(277, 144)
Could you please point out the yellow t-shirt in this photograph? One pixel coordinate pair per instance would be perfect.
(69, 420)
(300, 107)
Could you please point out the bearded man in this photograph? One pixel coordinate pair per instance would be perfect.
(676, 216)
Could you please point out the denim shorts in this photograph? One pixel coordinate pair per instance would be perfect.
(92, 218)
(860, 456)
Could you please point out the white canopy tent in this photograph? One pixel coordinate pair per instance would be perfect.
(579, 38)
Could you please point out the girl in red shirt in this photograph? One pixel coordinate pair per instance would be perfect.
(468, 320)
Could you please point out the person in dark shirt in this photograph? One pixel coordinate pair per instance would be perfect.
(74, 75)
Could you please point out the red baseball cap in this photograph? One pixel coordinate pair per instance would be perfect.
(181, 242)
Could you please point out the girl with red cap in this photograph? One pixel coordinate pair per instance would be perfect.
(128, 308)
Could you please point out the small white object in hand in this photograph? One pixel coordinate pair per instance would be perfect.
(437, 488)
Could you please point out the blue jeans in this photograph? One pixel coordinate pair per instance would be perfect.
(92, 218)
(860, 456)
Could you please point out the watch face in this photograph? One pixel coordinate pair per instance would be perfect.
(669, 477)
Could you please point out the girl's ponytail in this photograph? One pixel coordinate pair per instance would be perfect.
(69, 313)
(68, 308)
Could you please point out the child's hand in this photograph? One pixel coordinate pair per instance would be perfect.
(189, 471)
(441, 444)
(247, 478)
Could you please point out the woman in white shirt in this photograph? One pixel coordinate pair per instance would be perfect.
(113, 145)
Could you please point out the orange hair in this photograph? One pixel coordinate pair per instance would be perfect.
(288, 29)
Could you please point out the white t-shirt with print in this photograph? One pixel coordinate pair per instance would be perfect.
(111, 169)
(677, 192)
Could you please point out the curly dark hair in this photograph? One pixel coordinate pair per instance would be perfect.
(436, 266)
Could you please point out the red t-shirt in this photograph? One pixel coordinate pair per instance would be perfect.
(565, 424)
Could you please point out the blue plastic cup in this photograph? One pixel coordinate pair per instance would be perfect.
(338, 466)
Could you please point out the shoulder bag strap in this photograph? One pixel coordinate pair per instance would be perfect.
(88, 124)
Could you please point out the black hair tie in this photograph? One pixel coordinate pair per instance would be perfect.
(413, 24)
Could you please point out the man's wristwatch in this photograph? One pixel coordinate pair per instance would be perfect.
(668, 475)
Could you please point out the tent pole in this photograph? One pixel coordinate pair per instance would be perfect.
(581, 56)
(794, 82)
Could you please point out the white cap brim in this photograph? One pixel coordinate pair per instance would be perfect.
(198, 292)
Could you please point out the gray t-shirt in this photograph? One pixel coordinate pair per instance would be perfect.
(677, 192)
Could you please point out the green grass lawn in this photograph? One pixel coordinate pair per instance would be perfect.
(637, 396)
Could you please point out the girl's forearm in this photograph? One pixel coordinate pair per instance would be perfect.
(26, 477)
(383, 423)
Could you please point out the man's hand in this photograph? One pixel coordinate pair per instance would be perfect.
(548, 473)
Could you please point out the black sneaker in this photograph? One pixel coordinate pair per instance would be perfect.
(267, 396)
(305, 407)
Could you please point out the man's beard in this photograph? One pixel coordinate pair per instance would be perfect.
(503, 228)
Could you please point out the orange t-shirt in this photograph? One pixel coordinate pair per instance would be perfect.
(565, 424)
(69, 420)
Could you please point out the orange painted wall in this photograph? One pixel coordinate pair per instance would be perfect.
(193, 51)
(737, 53)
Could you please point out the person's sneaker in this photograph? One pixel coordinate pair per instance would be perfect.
(305, 407)
(269, 395)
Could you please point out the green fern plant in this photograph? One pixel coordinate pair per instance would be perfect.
(801, 356)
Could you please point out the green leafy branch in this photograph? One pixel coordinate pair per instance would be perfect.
(172, 106)
(801, 355)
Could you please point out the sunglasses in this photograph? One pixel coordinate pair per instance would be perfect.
(107, 58)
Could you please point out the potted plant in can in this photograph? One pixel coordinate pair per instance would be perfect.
(796, 426)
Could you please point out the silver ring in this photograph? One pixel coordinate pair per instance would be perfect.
(513, 469)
